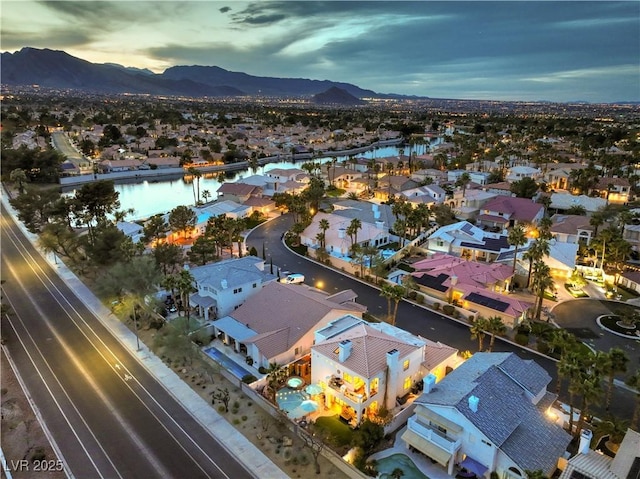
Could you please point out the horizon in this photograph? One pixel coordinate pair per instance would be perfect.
(559, 52)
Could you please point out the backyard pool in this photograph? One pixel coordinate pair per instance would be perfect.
(295, 382)
(227, 363)
(386, 465)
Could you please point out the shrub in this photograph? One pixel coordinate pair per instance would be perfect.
(522, 339)
(249, 378)
(244, 418)
(448, 309)
(221, 408)
(413, 295)
(419, 299)
(543, 347)
(262, 370)
(436, 306)
(236, 404)
(236, 421)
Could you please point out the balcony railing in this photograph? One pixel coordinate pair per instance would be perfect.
(432, 434)
(357, 397)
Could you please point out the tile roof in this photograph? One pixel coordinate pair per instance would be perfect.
(369, 349)
(521, 209)
(238, 189)
(505, 414)
(235, 271)
(570, 224)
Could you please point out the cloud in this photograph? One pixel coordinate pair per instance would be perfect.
(225, 9)
(264, 19)
(58, 38)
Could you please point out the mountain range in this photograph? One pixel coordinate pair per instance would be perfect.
(59, 70)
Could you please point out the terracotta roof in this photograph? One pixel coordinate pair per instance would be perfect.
(570, 224)
(369, 348)
(522, 209)
(238, 189)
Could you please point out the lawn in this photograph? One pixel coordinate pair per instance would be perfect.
(338, 432)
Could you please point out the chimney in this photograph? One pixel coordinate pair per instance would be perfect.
(473, 403)
(380, 225)
(341, 232)
(224, 284)
(344, 350)
(585, 441)
(428, 383)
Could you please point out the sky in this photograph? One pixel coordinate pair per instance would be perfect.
(521, 50)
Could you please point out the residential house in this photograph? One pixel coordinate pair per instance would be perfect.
(590, 464)
(630, 280)
(262, 205)
(615, 190)
(437, 176)
(468, 241)
(238, 192)
(508, 211)
(162, 162)
(132, 230)
(363, 367)
(561, 202)
(467, 203)
(574, 229)
(477, 287)
(558, 176)
(277, 323)
(502, 188)
(429, 194)
(392, 185)
(488, 416)
(223, 286)
(112, 166)
(376, 220)
(631, 234)
(518, 173)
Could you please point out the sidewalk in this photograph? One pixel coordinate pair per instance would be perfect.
(256, 463)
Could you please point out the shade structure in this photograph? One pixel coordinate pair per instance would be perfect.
(313, 389)
(474, 466)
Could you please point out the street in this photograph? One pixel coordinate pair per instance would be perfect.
(109, 417)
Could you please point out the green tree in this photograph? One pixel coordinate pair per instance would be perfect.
(391, 293)
(155, 229)
(617, 363)
(185, 286)
(182, 219)
(634, 382)
(524, 188)
(18, 177)
(542, 282)
(352, 230)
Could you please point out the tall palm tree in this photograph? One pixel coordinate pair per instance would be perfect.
(352, 230)
(392, 293)
(542, 281)
(185, 287)
(495, 326)
(516, 237)
(536, 252)
(478, 330)
(568, 366)
(590, 389)
(617, 363)
(324, 225)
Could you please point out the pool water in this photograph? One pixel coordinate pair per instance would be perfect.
(295, 383)
(227, 363)
(386, 465)
(288, 399)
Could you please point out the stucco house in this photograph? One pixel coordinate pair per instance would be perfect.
(572, 229)
(488, 415)
(363, 366)
(225, 285)
(238, 192)
(561, 202)
(277, 323)
(508, 211)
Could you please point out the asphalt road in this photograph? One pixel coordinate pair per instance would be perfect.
(419, 321)
(109, 417)
(63, 145)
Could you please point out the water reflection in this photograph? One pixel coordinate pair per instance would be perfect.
(152, 197)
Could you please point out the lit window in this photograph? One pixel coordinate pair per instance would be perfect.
(406, 364)
(407, 382)
(347, 378)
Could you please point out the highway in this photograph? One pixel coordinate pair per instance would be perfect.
(108, 415)
(419, 321)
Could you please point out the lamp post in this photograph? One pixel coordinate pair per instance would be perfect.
(135, 324)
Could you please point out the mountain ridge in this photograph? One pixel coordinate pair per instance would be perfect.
(58, 69)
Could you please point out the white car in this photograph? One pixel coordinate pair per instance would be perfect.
(295, 278)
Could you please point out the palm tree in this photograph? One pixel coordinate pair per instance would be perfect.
(613, 427)
(184, 285)
(591, 391)
(568, 366)
(324, 225)
(495, 326)
(395, 293)
(536, 252)
(517, 237)
(478, 330)
(352, 230)
(617, 363)
(542, 281)
(634, 382)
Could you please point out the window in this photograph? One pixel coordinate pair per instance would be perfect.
(255, 285)
(407, 382)
(405, 365)
(486, 443)
(297, 351)
(347, 378)
(237, 290)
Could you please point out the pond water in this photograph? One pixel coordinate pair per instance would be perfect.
(148, 198)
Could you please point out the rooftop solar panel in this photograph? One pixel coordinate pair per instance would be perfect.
(488, 302)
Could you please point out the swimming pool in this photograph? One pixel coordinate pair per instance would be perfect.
(295, 382)
(386, 465)
(227, 363)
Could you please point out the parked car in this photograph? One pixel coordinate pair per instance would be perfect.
(295, 278)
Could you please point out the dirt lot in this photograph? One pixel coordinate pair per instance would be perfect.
(28, 453)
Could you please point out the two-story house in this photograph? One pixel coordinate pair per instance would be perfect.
(613, 189)
(507, 211)
(238, 192)
(488, 416)
(224, 286)
(363, 367)
(277, 324)
(572, 229)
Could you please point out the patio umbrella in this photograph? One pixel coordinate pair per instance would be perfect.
(313, 389)
(309, 406)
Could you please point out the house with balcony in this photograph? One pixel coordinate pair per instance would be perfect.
(428, 194)
(518, 173)
(575, 229)
(561, 202)
(631, 234)
(238, 192)
(363, 367)
(223, 286)
(277, 323)
(613, 189)
(488, 415)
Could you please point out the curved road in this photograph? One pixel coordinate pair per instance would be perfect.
(417, 320)
(108, 416)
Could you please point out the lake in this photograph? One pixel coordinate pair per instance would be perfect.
(148, 198)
